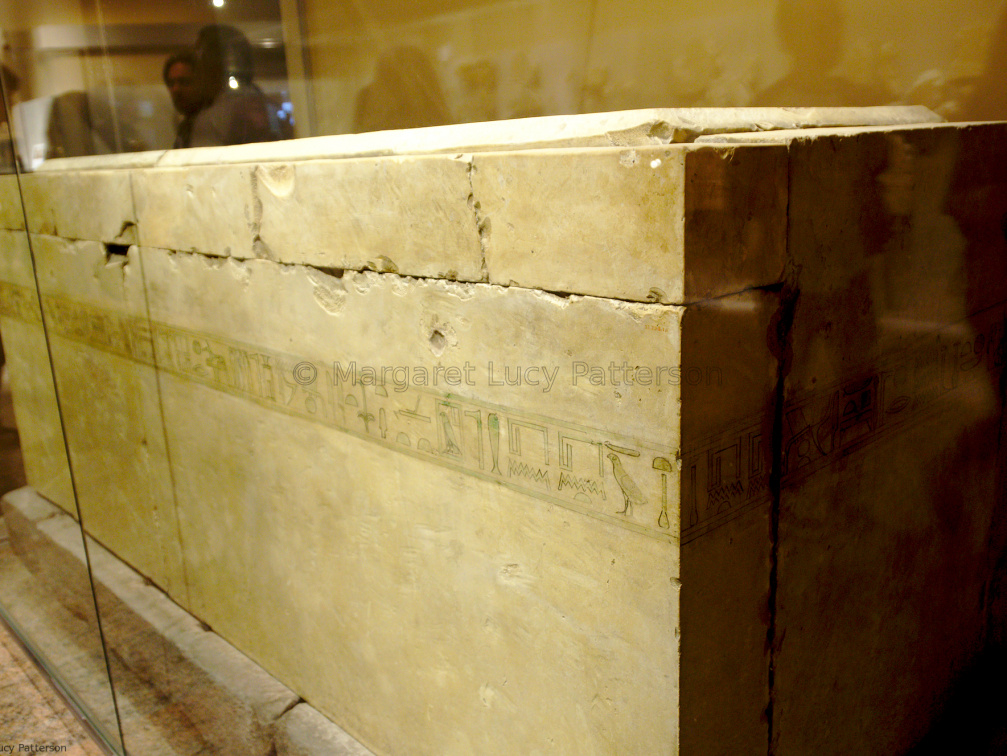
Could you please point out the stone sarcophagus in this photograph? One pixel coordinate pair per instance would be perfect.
(580, 435)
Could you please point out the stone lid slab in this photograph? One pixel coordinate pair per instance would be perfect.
(631, 128)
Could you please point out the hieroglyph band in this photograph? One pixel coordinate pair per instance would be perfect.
(602, 474)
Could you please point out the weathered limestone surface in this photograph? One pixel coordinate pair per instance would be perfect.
(548, 220)
(94, 205)
(385, 214)
(413, 215)
(688, 224)
(27, 358)
(404, 553)
(480, 521)
(11, 212)
(96, 314)
(209, 209)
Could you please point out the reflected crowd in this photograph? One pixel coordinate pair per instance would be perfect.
(235, 83)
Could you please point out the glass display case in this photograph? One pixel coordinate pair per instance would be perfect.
(532, 376)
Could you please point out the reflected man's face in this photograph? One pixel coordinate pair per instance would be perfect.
(181, 81)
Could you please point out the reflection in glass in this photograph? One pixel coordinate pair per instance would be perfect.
(45, 589)
(94, 81)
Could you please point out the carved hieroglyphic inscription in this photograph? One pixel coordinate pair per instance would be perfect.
(599, 473)
(728, 473)
(20, 303)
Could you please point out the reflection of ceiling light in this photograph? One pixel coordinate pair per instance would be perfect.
(232, 83)
(218, 3)
(270, 43)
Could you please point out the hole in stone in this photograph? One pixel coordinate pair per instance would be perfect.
(334, 272)
(437, 341)
(116, 249)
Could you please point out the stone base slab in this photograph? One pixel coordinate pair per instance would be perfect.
(230, 700)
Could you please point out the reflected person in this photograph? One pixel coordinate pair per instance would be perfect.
(405, 94)
(236, 110)
(180, 78)
(812, 33)
(7, 152)
(989, 100)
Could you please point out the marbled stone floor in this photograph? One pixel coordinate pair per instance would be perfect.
(31, 712)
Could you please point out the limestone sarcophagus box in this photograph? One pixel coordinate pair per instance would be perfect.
(577, 438)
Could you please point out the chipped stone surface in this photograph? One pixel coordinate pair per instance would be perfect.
(27, 358)
(632, 128)
(208, 209)
(111, 409)
(93, 205)
(387, 214)
(454, 509)
(11, 211)
(548, 219)
(302, 731)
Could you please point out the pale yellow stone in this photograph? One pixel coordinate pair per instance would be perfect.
(208, 209)
(122, 160)
(605, 222)
(667, 224)
(407, 215)
(16, 261)
(102, 352)
(27, 359)
(11, 211)
(428, 544)
(94, 205)
(631, 128)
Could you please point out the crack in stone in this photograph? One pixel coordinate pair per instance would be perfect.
(255, 223)
(407, 277)
(127, 233)
(290, 706)
(482, 222)
(778, 338)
